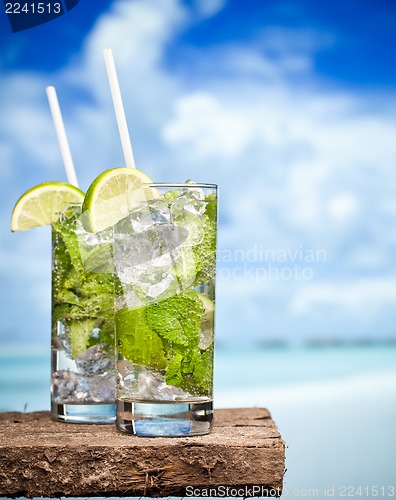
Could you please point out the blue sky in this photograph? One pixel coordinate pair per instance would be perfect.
(288, 106)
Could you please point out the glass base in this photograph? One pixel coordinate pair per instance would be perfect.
(168, 419)
(84, 414)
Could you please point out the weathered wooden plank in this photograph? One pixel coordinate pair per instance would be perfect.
(40, 457)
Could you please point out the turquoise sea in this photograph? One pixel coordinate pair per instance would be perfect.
(335, 408)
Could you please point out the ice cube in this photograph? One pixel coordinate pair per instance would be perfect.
(70, 387)
(158, 287)
(140, 382)
(125, 372)
(193, 199)
(102, 387)
(152, 385)
(152, 248)
(95, 361)
(196, 193)
(158, 242)
(147, 259)
(95, 250)
(149, 281)
(147, 215)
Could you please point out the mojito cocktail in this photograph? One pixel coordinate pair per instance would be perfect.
(164, 258)
(83, 363)
(83, 367)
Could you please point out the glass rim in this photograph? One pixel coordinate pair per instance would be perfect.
(180, 185)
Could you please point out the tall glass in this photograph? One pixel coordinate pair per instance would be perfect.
(83, 361)
(165, 258)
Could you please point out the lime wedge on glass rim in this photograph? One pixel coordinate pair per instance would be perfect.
(113, 194)
(41, 205)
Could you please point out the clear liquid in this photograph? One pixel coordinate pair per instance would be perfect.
(167, 419)
(93, 413)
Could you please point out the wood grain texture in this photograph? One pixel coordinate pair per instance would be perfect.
(40, 457)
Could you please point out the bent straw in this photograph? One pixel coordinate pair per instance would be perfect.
(119, 108)
(62, 137)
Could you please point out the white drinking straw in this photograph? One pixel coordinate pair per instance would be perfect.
(62, 137)
(119, 108)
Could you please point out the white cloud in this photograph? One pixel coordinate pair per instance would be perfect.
(204, 126)
(343, 206)
(137, 32)
(26, 128)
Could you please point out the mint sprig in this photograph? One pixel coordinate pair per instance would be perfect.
(166, 335)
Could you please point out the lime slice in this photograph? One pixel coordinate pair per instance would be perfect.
(41, 205)
(112, 195)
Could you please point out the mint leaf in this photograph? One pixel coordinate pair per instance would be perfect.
(197, 370)
(172, 194)
(98, 305)
(97, 257)
(178, 322)
(211, 207)
(202, 378)
(177, 318)
(96, 284)
(72, 279)
(165, 336)
(136, 341)
(205, 252)
(105, 335)
(173, 374)
(60, 311)
(65, 228)
(68, 297)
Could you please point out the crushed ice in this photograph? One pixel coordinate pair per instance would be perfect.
(145, 384)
